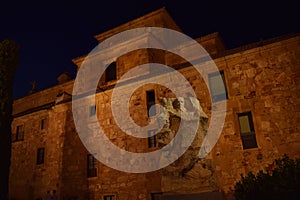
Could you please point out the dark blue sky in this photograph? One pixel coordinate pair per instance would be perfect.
(52, 33)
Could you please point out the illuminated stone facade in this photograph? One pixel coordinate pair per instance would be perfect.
(263, 96)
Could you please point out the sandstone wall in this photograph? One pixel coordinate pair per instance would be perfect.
(263, 80)
(29, 180)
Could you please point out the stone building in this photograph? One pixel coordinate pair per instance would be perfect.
(262, 123)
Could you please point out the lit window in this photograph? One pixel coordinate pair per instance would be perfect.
(91, 166)
(150, 102)
(111, 72)
(247, 130)
(217, 86)
(92, 110)
(40, 156)
(152, 139)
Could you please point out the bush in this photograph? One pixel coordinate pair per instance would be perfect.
(282, 183)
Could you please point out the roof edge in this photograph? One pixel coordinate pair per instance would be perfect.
(102, 36)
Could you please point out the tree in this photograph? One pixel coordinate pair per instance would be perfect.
(283, 182)
(9, 56)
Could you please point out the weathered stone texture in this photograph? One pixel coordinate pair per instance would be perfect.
(263, 79)
(188, 174)
(29, 180)
(260, 80)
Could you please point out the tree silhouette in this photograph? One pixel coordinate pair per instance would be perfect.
(9, 56)
(283, 182)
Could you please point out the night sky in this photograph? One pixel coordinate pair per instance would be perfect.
(51, 33)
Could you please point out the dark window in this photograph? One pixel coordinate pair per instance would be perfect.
(20, 133)
(43, 124)
(111, 72)
(91, 166)
(247, 130)
(152, 139)
(40, 156)
(109, 197)
(92, 110)
(150, 102)
(156, 196)
(217, 86)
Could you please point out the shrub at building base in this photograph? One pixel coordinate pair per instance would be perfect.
(283, 182)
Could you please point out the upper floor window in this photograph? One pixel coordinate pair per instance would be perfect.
(43, 124)
(217, 86)
(111, 72)
(19, 133)
(91, 166)
(247, 130)
(152, 139)
(150, 102)
(40, 157)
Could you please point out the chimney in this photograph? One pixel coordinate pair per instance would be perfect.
(63, 78)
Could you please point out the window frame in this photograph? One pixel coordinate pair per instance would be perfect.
(40, 156)
(218, 97)
(92, 166)
(92, 110)
(150, 102)
(20, 134)
(111, 72)
(156, 195)
(43, 124)
(248, 139)
(152, 140)
(108, 197)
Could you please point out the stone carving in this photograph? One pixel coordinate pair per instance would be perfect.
(189, 173)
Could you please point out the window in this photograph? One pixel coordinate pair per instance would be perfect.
(111, 72)
(217, 86)
(92, 110)
(156, 196)
(247, 130)
(150, 102)
(109, 197)
(20, 133)
(91, 166)
(40, 156)
(152, 139)
(43, 124)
